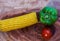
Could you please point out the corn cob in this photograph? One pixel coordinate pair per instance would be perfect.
(18, 22)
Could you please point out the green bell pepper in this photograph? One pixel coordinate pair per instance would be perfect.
(48, 15)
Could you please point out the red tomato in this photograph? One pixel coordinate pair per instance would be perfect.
(46, 33)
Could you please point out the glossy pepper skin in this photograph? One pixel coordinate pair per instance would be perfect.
(48, 32)
(48, 15)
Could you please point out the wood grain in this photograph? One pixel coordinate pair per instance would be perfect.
(32, 33)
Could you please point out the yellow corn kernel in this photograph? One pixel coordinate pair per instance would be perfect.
(18, 22)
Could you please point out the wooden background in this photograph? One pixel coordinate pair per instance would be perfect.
(31, 33)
